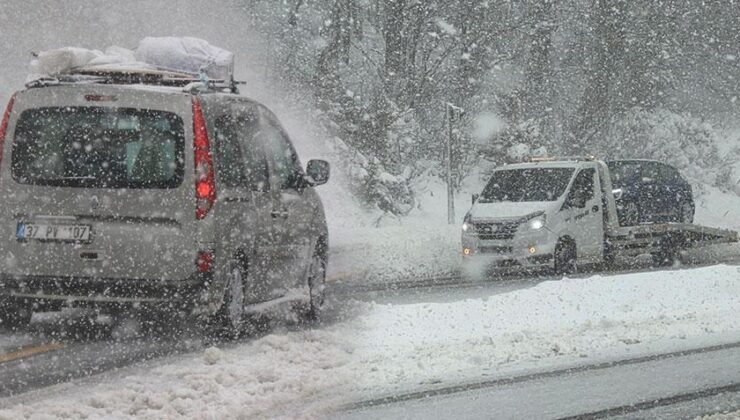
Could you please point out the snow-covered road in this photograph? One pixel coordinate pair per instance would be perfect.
(406, 343)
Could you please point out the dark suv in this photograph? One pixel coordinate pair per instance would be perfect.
(648, 191)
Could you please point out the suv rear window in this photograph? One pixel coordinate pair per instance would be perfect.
(99, 147)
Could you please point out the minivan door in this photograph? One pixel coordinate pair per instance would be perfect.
(292, 210)
(583, 206)
(244, 197)
(94, 186)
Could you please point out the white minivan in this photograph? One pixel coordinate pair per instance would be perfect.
(121, 189)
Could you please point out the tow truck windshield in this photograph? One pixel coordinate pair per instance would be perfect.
(531, 184)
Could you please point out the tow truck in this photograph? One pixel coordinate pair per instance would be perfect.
(560, 214)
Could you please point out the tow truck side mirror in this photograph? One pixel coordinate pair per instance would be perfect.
(576, 200)
(474, 198)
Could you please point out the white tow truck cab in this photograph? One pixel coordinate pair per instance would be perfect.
(562, 213)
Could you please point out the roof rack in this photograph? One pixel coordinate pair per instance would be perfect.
(560, 158)
(190, 83)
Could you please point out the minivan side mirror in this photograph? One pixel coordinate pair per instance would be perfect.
(317, 172)
(474, 198)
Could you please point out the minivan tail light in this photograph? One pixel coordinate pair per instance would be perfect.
(205, 182)
(4, 124)
(204, 262)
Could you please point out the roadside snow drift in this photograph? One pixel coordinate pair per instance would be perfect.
(289, 375)
(567, 321)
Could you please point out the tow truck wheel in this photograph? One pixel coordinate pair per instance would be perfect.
(14, 316)
(565, 257)
(687, 213)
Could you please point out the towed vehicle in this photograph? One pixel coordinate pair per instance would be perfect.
(560, 214)
(648, 191)
(153, 189)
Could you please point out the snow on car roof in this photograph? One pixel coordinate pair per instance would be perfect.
(546, 164)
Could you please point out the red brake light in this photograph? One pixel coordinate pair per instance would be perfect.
(205, 182)
(204, 261)
(4, 124)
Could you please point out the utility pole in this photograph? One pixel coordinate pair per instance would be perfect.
(453, 113)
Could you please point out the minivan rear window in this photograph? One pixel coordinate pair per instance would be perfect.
(98, 147)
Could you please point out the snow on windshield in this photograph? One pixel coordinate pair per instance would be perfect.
(539, 184)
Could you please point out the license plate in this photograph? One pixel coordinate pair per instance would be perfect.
(52, 232)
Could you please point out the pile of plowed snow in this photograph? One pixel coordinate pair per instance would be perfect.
(556, 322)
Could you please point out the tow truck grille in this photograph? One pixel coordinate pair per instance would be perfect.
(492, 230)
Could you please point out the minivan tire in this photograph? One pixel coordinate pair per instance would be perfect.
(317, 281)
(14, 316)
(229, 320)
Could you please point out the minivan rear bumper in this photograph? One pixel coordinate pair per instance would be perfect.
(53, 292)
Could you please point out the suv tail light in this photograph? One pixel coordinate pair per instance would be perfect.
(4, 124)
(205, 182)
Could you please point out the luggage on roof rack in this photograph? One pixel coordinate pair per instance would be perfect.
(168, 61)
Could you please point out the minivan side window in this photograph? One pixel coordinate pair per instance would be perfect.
(255, 159)
(230, 164)
(583, 187)
(287, 166)
(241, 159)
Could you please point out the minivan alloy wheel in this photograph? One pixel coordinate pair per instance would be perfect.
(316, 284)
(229, 319)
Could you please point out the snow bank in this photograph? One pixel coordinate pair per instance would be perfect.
(289, 375)
(555, 322)
(416, 247)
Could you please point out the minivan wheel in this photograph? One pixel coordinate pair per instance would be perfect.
(316, 284)
(565, 257)
(14, 316)
(229, 320)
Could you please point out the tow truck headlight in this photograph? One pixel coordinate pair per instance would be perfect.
(537, 222)
(467, 224)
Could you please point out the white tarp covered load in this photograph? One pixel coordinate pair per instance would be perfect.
(180, 54)
(62, 60)
(186, 54)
